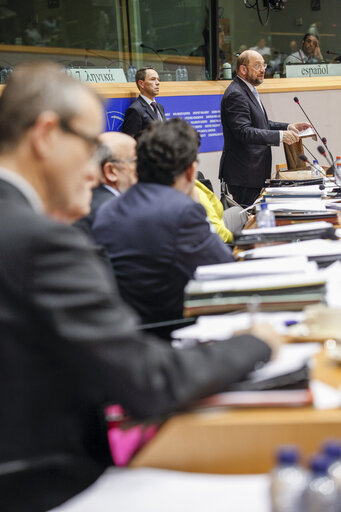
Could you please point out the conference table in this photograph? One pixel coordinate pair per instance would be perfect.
(243, 441)
(240, 441)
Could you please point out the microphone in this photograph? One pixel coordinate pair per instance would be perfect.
(152, 49)
(160, 50)
(321, 150)
(296, 100)
(305, 160)
(330, 52)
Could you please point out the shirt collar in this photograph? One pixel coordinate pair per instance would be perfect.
(24, 187)
(250, 86)
(113, 190)
(148, 100)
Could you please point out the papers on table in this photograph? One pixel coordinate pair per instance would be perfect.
(155, 490)
(255, 268)
(308, 248)
(306, 226)
(221, 327)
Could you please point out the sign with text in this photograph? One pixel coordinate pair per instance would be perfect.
(98, 75)
(202, 112)
(308, 70)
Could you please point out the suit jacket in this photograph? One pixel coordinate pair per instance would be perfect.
(155, 237)
(100, 195)
(248, 137)
(139, 115)
(69, 345)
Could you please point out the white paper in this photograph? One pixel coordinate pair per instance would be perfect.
(304, 226)
(309, 248)
(222, 327)
(159, 490)
(252, 268)
(306, 133)
(325, 397)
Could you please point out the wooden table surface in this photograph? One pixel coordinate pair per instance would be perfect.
(239, 440)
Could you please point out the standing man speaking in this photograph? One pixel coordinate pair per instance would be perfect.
(248, 134)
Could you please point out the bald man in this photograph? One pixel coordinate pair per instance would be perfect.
(118, 173)
(248, 134)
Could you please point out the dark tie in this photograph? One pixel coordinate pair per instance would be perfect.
(154, 107)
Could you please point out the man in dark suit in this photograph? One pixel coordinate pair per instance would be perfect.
(248, 134)
(118, 165)
(145, 109)
(156, 235)
(68, 343)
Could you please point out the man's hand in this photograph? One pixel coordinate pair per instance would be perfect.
(290, 137)
(298, 127)
(266, 333)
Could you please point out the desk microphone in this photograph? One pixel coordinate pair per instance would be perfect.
(338, 58)
(321, 150)
(305, 159)
(152, 49)
(323, 140)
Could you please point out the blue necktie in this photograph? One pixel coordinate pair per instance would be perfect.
(255, 92)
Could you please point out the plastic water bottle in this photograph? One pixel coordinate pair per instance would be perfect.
(332, 449)
(316, 169)
(184, 76)
(288, 481)
(337, 174)
(131, 74)
(178, 74)
(227, 71)
(265, 217)
(321, 493)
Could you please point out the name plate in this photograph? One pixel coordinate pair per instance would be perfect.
(308, 70)
(98, 75)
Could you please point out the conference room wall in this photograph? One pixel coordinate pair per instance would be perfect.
(324, 110)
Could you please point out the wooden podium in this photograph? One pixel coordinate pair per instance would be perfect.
(296, 169)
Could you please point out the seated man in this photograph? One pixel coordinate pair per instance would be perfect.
(155, 234)
(68, 343)
(118, 165)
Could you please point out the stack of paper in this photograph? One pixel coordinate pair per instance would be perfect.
(275, 292)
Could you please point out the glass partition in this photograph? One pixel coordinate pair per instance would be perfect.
(182, 39)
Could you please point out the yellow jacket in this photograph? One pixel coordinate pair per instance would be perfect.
(214, 210)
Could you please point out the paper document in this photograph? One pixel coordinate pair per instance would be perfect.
(308, 132)
(160, 490)
(309, 248)
(306, 226)
(221, 327)
(253, 268)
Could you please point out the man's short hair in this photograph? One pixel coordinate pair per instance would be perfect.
(141, 74)
(309, 35)
(165, 150)
(242, 60)
(35, 87)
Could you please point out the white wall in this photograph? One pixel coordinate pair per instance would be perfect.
(323, 108)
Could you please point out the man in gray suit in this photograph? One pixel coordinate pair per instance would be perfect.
(68, 343)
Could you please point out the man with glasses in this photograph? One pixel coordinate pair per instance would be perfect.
(248, 134)
(68, 343)
(118, 166)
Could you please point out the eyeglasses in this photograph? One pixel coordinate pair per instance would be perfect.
(94, 142)
(258, 66)
(118, 161)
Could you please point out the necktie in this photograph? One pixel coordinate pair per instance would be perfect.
(255, 92)
(154, 107)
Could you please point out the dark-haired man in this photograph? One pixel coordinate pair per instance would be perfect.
(309, 52)
(68, 343)
(156, 235)
(248, 134)
(144, 110)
